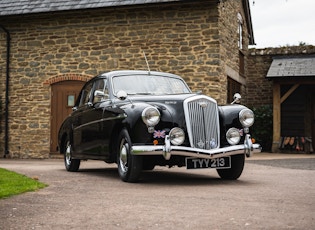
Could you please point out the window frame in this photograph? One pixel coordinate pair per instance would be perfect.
(233, 87)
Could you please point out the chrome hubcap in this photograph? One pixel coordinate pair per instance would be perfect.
(68, 154)
(123, 157)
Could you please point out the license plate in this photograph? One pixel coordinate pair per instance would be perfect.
(201, 163)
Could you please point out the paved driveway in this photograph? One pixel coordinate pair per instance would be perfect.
(271, 194)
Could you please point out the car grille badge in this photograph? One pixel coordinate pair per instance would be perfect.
(201, 144)
(203, 104)
(159, 134)
(213, 143)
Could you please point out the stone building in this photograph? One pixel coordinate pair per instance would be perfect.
(284, 77)
(56, 46)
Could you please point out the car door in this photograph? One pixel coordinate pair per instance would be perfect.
(103, 101)
(87, 119)
(77, 118)
(98, 136)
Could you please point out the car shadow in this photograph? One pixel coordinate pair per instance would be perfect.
(164, 177)
(183, 178)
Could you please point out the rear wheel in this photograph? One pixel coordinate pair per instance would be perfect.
(72, 165)
(237, 166)
(129, 166)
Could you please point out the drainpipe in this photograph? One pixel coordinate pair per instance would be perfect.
(6, 141)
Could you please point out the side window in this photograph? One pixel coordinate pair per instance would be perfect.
(100, 91)
(100, 85)
(86, 94)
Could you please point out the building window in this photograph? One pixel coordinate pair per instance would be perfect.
(241, 64)
(71, 100)
(232, 88)
(240, 30)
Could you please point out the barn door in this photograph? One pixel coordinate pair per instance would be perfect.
(63, 97)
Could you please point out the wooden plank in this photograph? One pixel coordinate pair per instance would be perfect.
(276, 117)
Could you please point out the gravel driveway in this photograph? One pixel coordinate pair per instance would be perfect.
(272, 193)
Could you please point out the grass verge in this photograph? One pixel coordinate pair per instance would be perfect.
(12, 183)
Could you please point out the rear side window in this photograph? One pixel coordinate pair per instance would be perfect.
(86, 94)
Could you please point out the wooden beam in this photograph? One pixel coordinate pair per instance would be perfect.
(299, 80)
(276, 117)
(290, 91)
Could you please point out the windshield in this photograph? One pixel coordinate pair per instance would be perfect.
(149, 85)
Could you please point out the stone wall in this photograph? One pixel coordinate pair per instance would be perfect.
(229, 49)
(181, 38)
(2, 87)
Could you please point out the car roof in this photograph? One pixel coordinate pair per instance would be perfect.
(137, 72)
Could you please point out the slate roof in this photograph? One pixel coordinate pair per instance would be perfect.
(292, 67)
(20, 7)
(16, 7)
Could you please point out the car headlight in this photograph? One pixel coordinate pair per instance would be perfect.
(177, 136)
(233, 136)
(151, 116)
(246, 117)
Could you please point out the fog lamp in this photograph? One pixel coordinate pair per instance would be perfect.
(177, 136)
(233, 136)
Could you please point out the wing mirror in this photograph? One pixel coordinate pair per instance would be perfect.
(99, 95)
(121, 95)
(236, 98)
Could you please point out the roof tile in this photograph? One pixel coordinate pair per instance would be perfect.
(292, 67)
(15, 7)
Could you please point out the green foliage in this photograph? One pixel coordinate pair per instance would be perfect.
(262, 129)
(303, 44)
(12, 183)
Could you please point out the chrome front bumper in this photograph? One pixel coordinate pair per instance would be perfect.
(167, 150)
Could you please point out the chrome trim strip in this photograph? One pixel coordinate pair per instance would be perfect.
(193, 152)
(120, 116)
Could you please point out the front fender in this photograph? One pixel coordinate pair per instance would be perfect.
(229, 117)
(138, 130)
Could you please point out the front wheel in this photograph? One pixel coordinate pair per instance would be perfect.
(129, 166)
(237, 166)
(72, 165)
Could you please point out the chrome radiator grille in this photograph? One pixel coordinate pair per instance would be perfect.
(202, 120)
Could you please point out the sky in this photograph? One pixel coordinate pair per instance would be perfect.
(283, 22)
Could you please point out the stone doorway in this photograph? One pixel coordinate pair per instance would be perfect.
(63, 97)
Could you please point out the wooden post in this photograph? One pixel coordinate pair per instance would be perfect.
(276, 117)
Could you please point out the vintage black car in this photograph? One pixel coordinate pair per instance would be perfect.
(140, 119)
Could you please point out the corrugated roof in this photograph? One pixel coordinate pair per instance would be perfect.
(292, 67)
(16, 7)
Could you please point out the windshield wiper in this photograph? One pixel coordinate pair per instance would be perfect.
(144, 93)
